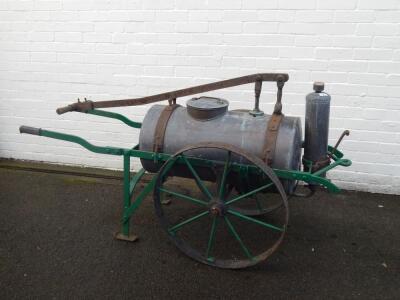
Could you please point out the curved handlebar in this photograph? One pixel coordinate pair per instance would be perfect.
(280, 78)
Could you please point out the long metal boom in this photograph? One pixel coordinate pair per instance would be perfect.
(88, 105)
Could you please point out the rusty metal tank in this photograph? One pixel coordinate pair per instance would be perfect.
(208, 119)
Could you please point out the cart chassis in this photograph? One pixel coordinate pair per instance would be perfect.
(130, 180)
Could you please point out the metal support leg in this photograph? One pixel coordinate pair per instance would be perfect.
(125, 235)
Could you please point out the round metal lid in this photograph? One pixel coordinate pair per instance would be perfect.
(205, 108)
(206, 103)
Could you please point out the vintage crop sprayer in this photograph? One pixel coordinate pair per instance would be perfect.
(226, 173)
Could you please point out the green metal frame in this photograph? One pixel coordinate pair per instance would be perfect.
(113, 115)
(130, 203)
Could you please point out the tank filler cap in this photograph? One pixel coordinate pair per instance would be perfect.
(318, 86)
(206, 108)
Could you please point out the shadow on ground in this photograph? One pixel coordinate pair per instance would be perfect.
(56, 241)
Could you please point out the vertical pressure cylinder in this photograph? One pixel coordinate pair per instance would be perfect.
(317, 127)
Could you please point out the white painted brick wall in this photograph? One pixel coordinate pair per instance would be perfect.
(52, 52)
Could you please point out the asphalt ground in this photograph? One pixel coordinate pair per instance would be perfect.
(56, 242)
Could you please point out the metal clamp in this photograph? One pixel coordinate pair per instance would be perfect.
(271, 134)
(274, 122)
(161, 126)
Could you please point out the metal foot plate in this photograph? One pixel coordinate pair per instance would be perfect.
(128, 238)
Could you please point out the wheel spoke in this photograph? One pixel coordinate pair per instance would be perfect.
(237, 214)
(249, 193)
(197, 178)
(190, 220)
(224, 175)
(191, 199)
(169, 165)
(211, 239)
(237, 237)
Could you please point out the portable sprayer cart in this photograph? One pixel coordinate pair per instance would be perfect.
(229, 207)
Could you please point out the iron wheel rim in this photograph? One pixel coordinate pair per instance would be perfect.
(199, 255)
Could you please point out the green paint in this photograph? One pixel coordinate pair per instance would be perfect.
(139, 199)
(135, 180)
(191, 199)
(237, 237)
(190, 220)
(82, 142)
(224, 176)
(237, 214)
(197, 178)
(211, 238)
(249, 193)
(127, 194)
(113, 115)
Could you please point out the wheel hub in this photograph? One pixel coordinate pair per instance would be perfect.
(218, 208)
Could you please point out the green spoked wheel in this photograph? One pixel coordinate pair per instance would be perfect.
(260, 205)
(207, 221)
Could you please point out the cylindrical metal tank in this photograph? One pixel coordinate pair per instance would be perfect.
(238, 128)
(317, 126)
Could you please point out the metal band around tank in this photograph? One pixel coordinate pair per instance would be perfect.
(161, 126)
(271, 135)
